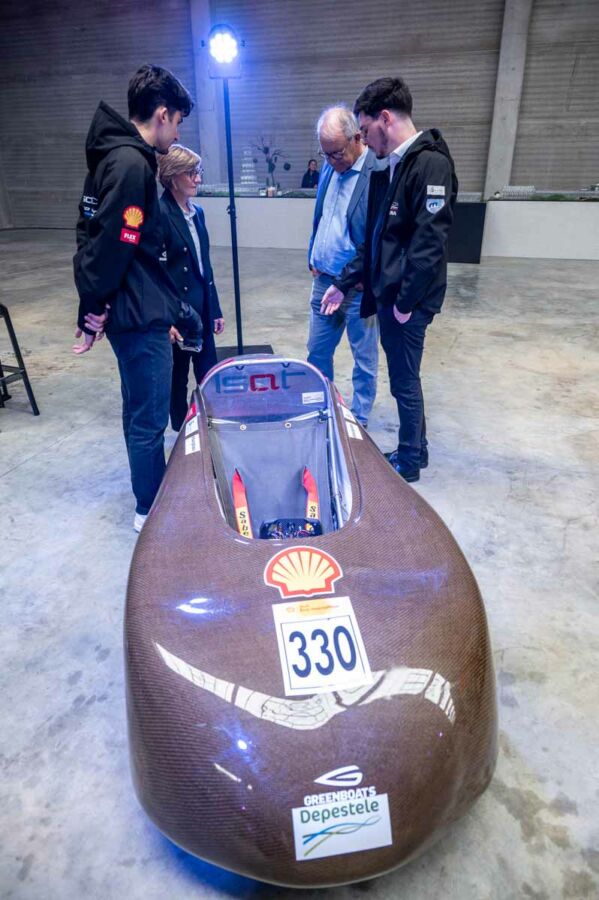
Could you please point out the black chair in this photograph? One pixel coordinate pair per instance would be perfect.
(13, 373)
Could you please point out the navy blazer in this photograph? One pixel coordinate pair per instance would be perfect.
(182, 261)
(358, 204)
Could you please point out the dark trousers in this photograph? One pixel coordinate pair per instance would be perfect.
(202, 362)
(145, 362)
(403, 346)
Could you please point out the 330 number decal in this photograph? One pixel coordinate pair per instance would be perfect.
(320, 646)
(319, 654)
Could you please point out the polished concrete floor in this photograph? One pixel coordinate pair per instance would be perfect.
(511, 378)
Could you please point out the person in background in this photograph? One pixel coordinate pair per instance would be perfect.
(123, 287)
(311, 175)
(403, 261)
(337, 232)
(188, 263)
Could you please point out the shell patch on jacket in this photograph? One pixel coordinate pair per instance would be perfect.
(133, 217)
(435, 190)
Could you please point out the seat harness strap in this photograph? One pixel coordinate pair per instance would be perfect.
(240, 502)
(312, 503)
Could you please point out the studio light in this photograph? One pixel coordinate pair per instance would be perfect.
(223, 47)
(223, 44)
(225, 63)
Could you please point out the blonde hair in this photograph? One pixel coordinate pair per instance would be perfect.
(178, 160)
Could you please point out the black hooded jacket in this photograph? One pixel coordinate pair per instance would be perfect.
(403, 260)
(119, 232)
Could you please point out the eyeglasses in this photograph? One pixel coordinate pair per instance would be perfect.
(197, 170)
(336, 154)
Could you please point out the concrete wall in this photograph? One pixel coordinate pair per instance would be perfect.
(302, 56)
(59, 59)
(543, 229)
(558, 129)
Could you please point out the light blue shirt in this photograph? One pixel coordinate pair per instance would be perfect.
(333, 247)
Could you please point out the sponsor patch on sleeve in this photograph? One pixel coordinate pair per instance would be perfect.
(433, 205)
(435, 190)
(89, 205)
(133, 217)
(130, 237)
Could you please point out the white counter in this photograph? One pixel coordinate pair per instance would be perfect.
(542, 229)
(277, 222)
(545, 229)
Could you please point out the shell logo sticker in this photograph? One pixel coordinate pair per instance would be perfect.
(133, 217)
(302, 572)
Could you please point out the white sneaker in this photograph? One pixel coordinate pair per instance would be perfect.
(139, 521)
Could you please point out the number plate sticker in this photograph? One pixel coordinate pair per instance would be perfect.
(320, 646)
(191, 426)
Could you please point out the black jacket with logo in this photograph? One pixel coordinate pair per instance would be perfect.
(182, 262)
(403, 261)
(119, 232)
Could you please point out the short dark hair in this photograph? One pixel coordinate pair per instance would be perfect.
(153, 86)
(313, 160)
(384, 93)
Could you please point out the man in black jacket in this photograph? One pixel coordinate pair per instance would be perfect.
(403, 261)
(124, 288)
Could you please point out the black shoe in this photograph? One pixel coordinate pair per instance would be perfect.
(392, 458)
(401, 468)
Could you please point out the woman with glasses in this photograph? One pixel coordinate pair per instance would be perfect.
(188, 262)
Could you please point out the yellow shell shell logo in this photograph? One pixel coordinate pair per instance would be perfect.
(302, 571)
(133, 217)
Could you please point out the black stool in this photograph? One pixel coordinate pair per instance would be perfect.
(14, 372)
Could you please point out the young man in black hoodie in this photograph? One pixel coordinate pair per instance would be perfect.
(403, 261)
(124, 288)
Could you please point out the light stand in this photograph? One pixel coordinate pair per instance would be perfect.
(224, 63)
(232, 210)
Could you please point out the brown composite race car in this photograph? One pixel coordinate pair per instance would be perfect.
(310, 686)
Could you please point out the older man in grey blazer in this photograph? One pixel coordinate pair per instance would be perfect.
(338, 230)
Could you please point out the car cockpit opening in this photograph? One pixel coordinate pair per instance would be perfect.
(279, 464)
